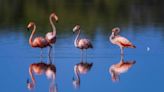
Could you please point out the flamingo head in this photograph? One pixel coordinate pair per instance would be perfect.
(76, 83)
(31, 26)
(54, 17)
(116, 30)
(76, 28)
(114, 75)
(30, 85)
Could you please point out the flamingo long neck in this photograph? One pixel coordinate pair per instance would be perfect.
(112, 36)
(76, 39)
(52, 87)
(53, 26)
(76, 72)
(31, 36)
(31, 74)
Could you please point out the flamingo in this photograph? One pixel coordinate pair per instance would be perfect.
(81, 43)
(51, 36)
(116, 69)
(80, 68)
(38, 42)
(122, 42)
(42, 68)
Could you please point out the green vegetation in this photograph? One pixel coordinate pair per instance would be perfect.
(89, 13)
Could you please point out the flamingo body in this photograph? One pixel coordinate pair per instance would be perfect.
(40, 42)
(122, 42)
(83, 44)
(50, 37)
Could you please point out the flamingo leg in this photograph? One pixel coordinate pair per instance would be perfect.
(86, 55)
(49, 54)
(82, 54)
(122, 50)
(41, 54)
(49, 51)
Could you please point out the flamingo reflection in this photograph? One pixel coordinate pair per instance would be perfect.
(116, 69)
(42, 68)
(80, 68)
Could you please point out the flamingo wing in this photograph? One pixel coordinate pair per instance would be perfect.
(123, 41)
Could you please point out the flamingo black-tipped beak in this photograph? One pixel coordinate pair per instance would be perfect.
(57, 21)
(28, 29)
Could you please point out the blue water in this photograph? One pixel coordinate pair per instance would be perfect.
(146, 75)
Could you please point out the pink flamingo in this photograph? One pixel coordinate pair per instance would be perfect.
(42, 68)
(116, 69)
(80, 68)
(51, 36)
(81, 43)
(122, 42)
(37, 42)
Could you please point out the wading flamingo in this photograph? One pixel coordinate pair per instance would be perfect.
(80, 68)
(81, 43)
(42, 68)
(37, 42)
(122, 42)
(51, 36)
(116, 69)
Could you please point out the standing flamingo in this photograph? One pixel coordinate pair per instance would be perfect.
(51, 36)
(116, 69)
(81, 43)
(41, 68)
(122, 42)
(80, 68)
(38, 42)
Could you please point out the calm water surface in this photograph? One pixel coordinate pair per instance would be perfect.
(16, 56)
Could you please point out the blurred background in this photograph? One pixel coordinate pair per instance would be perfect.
(88, 12)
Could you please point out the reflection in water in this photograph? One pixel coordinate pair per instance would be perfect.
(81, 43)
(42, 68)
(80, 68)
(116, 69)
(122, 42)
